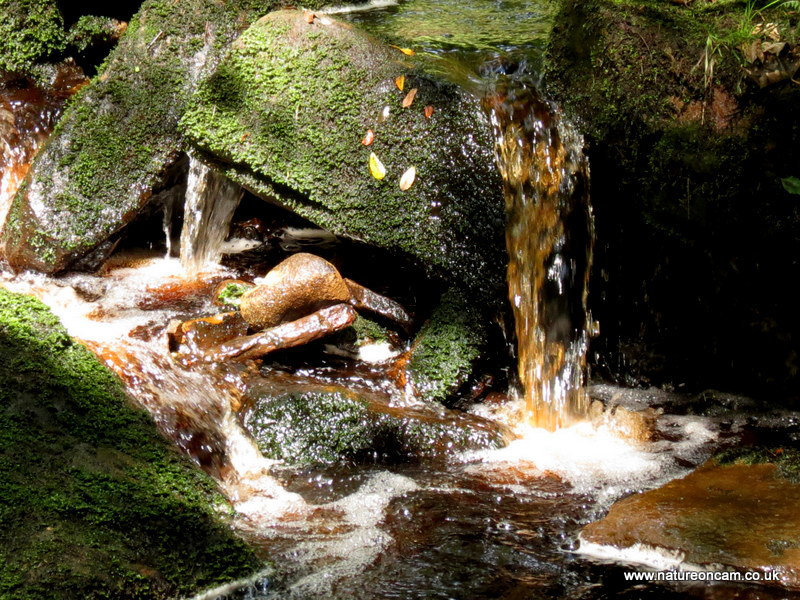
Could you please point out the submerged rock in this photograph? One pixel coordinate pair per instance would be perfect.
(94, 502)
(327, 424)
(735, 512)
(285, 113)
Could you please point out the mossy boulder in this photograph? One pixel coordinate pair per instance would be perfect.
(446, 348)
(285, 114)
(94, 502)
(328, 424)
(113, 146)
(695, 233)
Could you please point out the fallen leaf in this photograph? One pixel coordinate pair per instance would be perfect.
(369, 138)
(400, 82)
(310, 17)
(409, 99)
(406, 51)
(245, 136)
(407, 180)
(376, 166)
(791, 185)
(428, 111)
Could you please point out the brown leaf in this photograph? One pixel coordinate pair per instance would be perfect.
(368, 138)
(428, 111)
(310, 17)
(409, 99)
(400, 82)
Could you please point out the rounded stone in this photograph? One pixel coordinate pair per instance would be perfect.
(298, 286)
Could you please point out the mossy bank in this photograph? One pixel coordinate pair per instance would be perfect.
(696, 236)
(93, 502)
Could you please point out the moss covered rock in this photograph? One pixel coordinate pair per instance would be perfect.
(447, 346)
(285, 114)
(696, 234)
(322, 425)
(114, 145)
(93, 502)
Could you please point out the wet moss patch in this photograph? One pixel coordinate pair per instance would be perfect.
(94, 503)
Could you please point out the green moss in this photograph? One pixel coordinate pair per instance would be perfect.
(231, 294)
(328, 425)
(368, 331)
(787, 459)
(285, 112)
(447, 346)
(31, 31)
(94, 503)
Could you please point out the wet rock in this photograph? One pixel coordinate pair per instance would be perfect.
(365, 299)
(329, 424)
(639, 425)
(288, 335)
(94, 501)
(296, 287)
(198, 336)
(446, 348)
(114, 145)
(680, 299)
(316, 89)
(730, 516)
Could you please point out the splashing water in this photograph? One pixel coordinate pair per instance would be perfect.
(211, 200)
(549, 239)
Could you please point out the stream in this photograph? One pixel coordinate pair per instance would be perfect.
(467, 524)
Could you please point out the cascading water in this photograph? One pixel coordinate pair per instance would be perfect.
(549, 239)
(211, 200)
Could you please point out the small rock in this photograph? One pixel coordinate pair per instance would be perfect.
(301, 284)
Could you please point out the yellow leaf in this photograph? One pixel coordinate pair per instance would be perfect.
(409, 99)
(407, 180)
(406, 51)
(400, 82)
(376, 166)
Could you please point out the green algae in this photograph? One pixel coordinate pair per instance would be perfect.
(787, 459)
(94, 503)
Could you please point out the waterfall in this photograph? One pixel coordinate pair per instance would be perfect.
(211, 200)
(549, 238)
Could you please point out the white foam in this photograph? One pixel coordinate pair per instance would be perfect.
(376, 353)
(596, 461)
